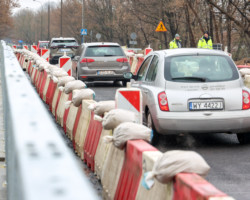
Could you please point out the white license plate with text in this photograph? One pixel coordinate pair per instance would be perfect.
(208, 105)
(105, 72)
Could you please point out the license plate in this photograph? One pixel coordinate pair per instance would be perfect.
(64, 50)
(208, 105)
(105, 72)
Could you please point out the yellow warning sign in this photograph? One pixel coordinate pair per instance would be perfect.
(161, 27)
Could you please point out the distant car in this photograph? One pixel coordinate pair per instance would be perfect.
(42, 45)
(60, 45)
(193, 91)
(102, 61)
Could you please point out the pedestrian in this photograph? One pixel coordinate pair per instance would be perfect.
(206, 41)
(176, 42)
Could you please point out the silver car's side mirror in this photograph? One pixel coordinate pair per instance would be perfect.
(128, 75)
(76, 58)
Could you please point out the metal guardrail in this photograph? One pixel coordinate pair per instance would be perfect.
(39, 164)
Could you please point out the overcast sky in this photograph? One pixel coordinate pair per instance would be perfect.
(30, 4)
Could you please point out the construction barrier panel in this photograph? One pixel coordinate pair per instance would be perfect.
(130, 99)
(190, 186)
(132, 169)
(33, 48)
(70, 122)
(66, 64)
(101, 153)
(82, 128)
(112, 168)
(45, 54)
(91, 141)
(159, 191)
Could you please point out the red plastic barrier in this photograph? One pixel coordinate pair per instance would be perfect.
(132, 169)
(39, 81)
(91, 141)
(78, 115)
(130, 60)
(29, 67)
(66, 113)
(243, 66)
(35, 76)
(140, 61)
(190, 186)
(50, 98)
(43, 84)
(57, 102)
(49, 91)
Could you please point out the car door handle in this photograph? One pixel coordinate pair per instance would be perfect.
(145, 91)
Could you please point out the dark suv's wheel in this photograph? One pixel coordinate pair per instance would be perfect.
(243, 138)
(150, 124)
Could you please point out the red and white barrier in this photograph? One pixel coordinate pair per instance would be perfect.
(26, 47)
(66, 64)
(33, 48)
(130, 99)
(45, 54)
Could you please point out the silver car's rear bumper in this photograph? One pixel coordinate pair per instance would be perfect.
(203, 122)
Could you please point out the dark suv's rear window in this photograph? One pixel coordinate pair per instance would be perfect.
(200, 68)
(102, 51)
(64, 43)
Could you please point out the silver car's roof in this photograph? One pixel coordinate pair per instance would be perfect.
(183, 51)
(101, 43)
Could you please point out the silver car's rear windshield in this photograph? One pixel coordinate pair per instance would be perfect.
(103, 51)
(200, 68)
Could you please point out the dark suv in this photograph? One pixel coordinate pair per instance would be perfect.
(60, 45)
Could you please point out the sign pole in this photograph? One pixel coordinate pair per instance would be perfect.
(82, 19)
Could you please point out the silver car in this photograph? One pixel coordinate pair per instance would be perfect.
(102, 61)
(193, 91)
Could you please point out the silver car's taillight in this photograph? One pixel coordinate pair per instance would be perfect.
(163, 101)
(245, 100)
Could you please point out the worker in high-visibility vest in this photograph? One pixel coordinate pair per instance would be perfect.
(205, 42)
(176, 42)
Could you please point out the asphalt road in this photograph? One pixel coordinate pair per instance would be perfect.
(229, 161)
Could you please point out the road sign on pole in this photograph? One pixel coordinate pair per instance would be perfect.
(161, 27)
(84, 31)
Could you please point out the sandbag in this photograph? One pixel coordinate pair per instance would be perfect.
(174, 162)
(128, 131)
(65, 79)
(79, 95)
(244, 72)
(117, 116)
(59, 73)
(73, 85)
(101, 107)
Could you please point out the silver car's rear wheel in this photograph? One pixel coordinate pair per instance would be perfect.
(150, 124)
(243, 138)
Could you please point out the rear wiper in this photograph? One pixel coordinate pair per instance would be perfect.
(108, 55)
(191, 78)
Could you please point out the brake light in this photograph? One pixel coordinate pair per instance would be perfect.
(123, 60)
(163, 101)
(87, 60)
(245, 100)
